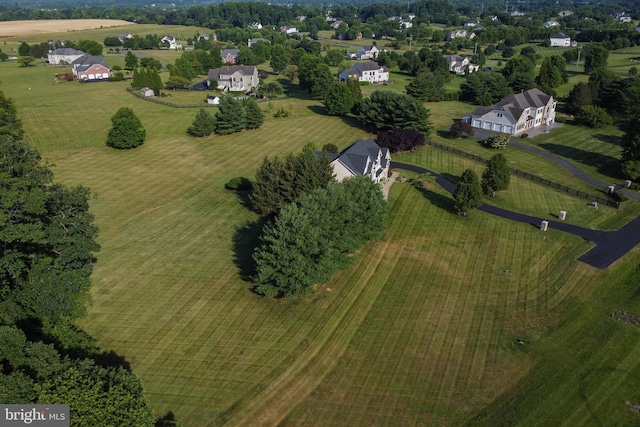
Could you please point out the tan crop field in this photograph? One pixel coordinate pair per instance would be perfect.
(27, 28)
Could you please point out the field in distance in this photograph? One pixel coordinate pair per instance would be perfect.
(24, 28)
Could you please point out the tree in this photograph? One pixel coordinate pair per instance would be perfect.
(498, 141)
(271, 89)
(183, 68)
(595, 59)
(468, 194)
(255, 116)
(496, 175)
(231, 116)
(112, 41)
(130, 61)
(90, 46)
(427, 87)
(177, 82)
(356, 95)
(386, 110)
(126, 131)
(9, 123)
(24, 49)
(580, 95)
(279, 58)
(461, 129)
(334, 57)
(330, 148)
(315, 75)
(25, 61)
(400, 140)
(485, 88)
(338, 99)
(553, 72)
(203, 125)
(594, 116)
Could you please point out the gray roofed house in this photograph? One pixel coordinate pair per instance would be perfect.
(517, 113)
(65, 54)
(255, 40)
(363, 157)
(460, 65)
(235, 77)
(88, 67)
(367, 71)
(560, 39)
(230, 56)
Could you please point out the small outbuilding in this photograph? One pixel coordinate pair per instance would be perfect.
(147, 92)
(213, 100)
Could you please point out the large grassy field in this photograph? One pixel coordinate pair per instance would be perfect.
(420, 330)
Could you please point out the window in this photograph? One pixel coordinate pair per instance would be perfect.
(499, 114)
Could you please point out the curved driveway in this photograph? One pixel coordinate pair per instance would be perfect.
(610, 245)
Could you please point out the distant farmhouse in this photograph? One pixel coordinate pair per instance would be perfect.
(236, 77)
(64, 55)
(367, 52)
(170, 43)
(462, 34)
(460, 65)
(364, 157)
(517, 113)
(560, 40)
(230, 56)
(367, 71)
(90, 68)
(550, 24)
(251, 42)
(288, 29)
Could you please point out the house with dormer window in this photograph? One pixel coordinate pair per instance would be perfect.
(364, 157)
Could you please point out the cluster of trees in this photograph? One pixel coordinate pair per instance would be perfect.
(147, 77)
(495, 177)
(232, 116)
(47, 249)
(313, 237)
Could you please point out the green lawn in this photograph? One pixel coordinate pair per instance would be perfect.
(419, 330)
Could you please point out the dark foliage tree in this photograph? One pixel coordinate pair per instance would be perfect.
(270, 90)
(461, 129)
(203, 125)
(496, 175)
(593, 116)
(91, 47)
(334, 57)
(177, 82)
(400, 140)
(231, 116)
(280, 181)
(255, 116)
(484, 88)
(9, 122)
(314, 75)
(130, 61)
(468, 194)
(183, 67)
(312, 238)
(356, 95)
(126, 130)
(427, 87)
(24, 49)
(39, 50)
(112, 41)
(582, 94)
(330, 148)
(596, 59)
(553, 72)
(631, 143)
(386, 110)
(25, 61)
(339, 101)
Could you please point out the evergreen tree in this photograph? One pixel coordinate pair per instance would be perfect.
(203, 124)
(9, 122)
(216, 57)
(496, 175)
(231, 116)
(126, 130)
(338, 99)
(155, 81)
(386, 110)
(427, 87)
(255, 116)
(24, 49)
(468, 194)
(356, 95)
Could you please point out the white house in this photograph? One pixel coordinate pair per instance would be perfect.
(251, 42)
(559, 39)
(368, 52)
(236, 77)
(405, 23)
(336, 24)
(517, 113)
(460, 34)
(550, 24)
(213, 100)
(565, 13)
(460, 65)
(367, 71)
(170, 42)
(471, 23)
(123, 37)
(288, 29)
(255, 25)
(364, 157)
(66, 54)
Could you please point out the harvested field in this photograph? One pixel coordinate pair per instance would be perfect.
(24, 28)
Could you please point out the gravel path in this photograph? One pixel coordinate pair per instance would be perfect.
(610, 245)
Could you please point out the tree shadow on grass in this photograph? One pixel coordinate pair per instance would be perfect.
(606, 165)
(168, 420)
(436, 199)
(609, 139)
(245, 240)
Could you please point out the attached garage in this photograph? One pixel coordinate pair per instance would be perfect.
(498, 127)
(488, 125)
(508, 129)
(477, 123)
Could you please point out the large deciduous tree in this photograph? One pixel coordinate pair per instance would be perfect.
(468, 194)
(496, 175)
(91, 47)
(553, 72)
(130, 61)
(279, 58)
(9, 122)
(596, 59)
(126, 130)
(386, 110)
(315, 75)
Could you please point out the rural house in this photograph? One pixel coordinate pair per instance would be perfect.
(368, 52)
(559, 39)
(235, 77)
(462, 34)
(364, 157)
(230, 56)
(288, 29)
(367, 71)
(460, 65)
(89, 67)
(170, 43)
(517, 113)
(66, 54)
(251, 42)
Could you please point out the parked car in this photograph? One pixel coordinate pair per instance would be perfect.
(487, 69)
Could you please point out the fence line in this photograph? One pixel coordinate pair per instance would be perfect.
(531, 177)
(136, 93)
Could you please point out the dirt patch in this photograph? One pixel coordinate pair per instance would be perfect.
(25, 28)
(628, 318)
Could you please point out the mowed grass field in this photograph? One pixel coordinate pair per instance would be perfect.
(420, 330)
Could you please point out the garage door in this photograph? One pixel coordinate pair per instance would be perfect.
(488, 125)
(498, 127)
(477, 123)
(508, 129)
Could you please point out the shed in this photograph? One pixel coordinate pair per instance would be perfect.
(146, 91)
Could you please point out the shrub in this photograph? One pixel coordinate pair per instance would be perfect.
(498, 141)
(461, 129)
(593, 116)
(330, 148)
(524, 135)
(239, 183)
